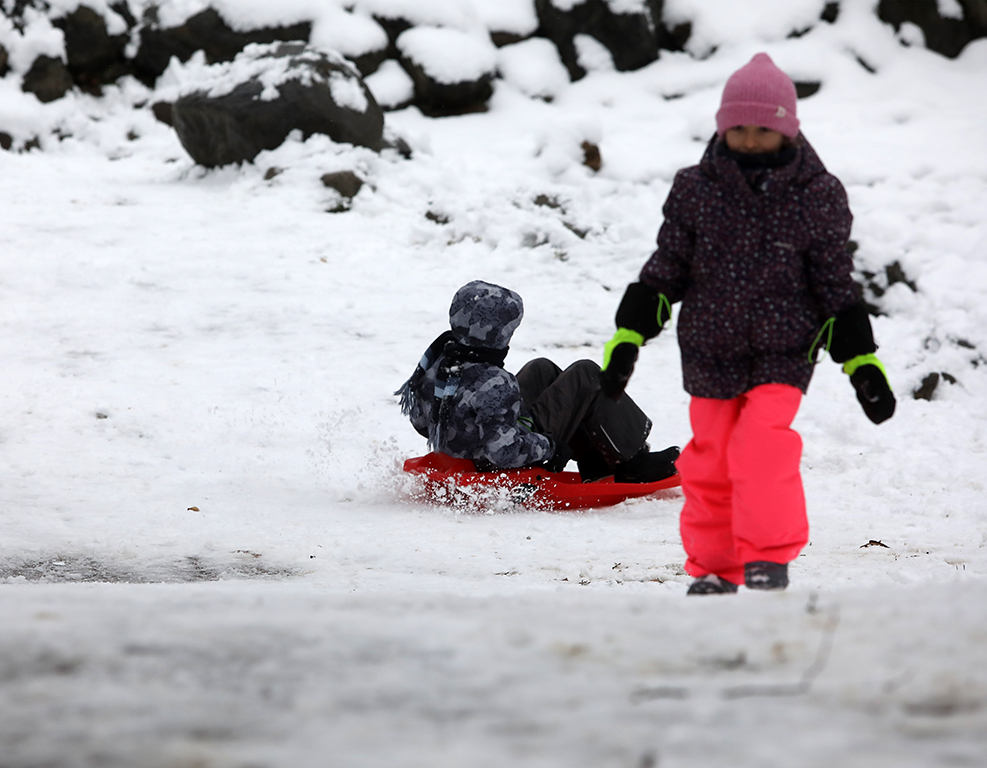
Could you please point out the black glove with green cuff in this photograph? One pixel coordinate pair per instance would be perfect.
(853, 345)
(641, 315)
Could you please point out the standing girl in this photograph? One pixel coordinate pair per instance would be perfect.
(754, 246)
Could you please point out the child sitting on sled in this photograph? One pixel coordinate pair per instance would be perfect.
(466, 404)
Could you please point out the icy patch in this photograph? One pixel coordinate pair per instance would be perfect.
(87, 568)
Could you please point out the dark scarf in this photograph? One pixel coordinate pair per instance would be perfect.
(452, 356)
(754, 166)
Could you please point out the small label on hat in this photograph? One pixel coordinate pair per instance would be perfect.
(781, 111)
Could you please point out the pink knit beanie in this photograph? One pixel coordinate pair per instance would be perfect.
(759, 94)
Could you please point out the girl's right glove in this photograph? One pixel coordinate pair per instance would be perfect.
(871, 382)
(641, 315)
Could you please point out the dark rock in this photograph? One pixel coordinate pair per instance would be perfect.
(162, 111)
(671, 38)
(830, 12)
(393, 27)
(94, 57)
(346, 183)
(368, 63)
(927, 388)
(4, 69)
(500, 39)
(48, 79)
(591, 156)
(236, 126)
(207, 32)
(943, 35)
(896, 274)
(436, 217)
(631, 38)
(806, 89)
(444, 99)
(6, 140)
(397, 144)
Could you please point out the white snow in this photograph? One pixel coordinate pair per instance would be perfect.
(514, 16)
(256, 62)
(391, 85)
(448, 55)
(210, 557)
(351, 34)
(533, 67)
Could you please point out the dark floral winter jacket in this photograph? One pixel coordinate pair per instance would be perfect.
(759, 261)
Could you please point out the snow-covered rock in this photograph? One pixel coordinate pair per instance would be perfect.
(626, 28)
(452, 70)
(236, 110)
(206, 31)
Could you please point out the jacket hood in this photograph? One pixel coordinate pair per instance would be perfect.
(485, 315)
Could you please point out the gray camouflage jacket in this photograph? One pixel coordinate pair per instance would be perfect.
(461, 398)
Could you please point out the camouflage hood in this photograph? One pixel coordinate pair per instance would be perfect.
(485, 315)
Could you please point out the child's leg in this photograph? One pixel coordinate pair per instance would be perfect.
(769, 519)
(706, 520)
(535, 377)
(573, 402)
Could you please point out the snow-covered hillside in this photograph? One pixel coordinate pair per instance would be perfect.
(208, 555)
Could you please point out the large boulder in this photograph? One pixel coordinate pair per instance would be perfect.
(253, 103)
(205, 31)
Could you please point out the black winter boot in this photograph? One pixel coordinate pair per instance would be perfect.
(711, 584)
(765, 575)
(647, 467)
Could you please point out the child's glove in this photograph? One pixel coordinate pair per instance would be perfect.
(619, 356)
(641, 315)
(871, 382)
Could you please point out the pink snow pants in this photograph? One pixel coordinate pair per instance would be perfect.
(740, 475)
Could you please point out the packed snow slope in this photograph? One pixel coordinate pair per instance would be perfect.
(208, 552)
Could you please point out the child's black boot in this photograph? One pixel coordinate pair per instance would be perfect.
(647, 467)
(711, 584)
(766, 576)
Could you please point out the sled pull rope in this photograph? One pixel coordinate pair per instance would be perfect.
(827, 329)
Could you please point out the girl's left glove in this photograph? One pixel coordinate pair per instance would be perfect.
(870, 381)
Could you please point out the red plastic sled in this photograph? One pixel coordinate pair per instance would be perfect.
(457, 482)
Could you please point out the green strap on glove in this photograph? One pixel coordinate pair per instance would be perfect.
(850, 366)
(622, 336)
(870, 380)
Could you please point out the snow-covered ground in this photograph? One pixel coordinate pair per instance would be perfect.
(208, 556)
